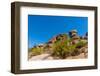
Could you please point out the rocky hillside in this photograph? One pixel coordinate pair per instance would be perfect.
(62, 46)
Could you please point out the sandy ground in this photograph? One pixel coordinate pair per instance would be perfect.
(49, 57)
(42, 57)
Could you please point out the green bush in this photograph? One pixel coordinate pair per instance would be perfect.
(81, 44)
(75, 48)
(37, 51)
(61, 49)
(75, 52)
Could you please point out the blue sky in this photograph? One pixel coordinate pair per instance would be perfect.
(42, 28)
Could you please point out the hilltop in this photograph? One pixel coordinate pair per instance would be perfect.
(61, 46)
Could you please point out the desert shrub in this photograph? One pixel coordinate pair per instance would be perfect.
(75, 48)
(72, 47)
(75, 52)
(37, 51)
(61, 49)
(81, 44)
